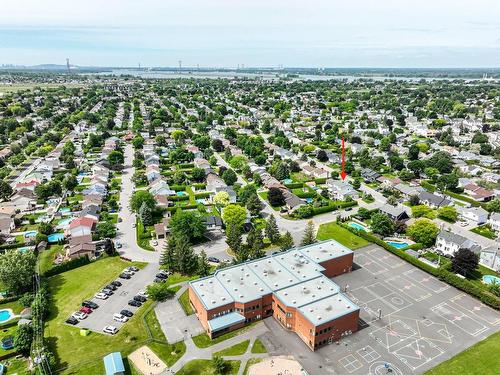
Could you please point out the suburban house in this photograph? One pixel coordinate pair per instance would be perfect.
(433, 200)
(161, 229)
(82, 226)
(476, 214)
(396, 213)
(6, 224)
(478, 193)
(80, 250)
(369, 175)
(213, 223)
(490, 257)
(340, 190)
(448, 243)
(494, 221)
(214, 182)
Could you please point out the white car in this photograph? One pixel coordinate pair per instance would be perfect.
(110, 329)
(101, 296)
(120, 318)
(128, 271)
(79, 315)
(155, 243)
(142, 293)
(464, 223)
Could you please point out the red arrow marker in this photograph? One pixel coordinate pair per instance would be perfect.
(343, 175)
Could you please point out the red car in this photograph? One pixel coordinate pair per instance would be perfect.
(86, 310)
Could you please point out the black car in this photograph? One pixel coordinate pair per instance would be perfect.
(71, 320)
(213, 259)
(162, 276)
(127, 313)
(90, 304)
(116, 283)
(133, 268)
(125, 276)
(110, 287)
(140, 299)
(158, 280)
(134, 303)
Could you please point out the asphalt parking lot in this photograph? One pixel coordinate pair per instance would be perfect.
(423, 321)
(103, 315)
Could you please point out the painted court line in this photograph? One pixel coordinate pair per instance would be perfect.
(460, 319)
(477, 308)
(350, 363)
(418, 353)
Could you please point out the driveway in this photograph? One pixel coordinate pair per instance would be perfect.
(103, 316)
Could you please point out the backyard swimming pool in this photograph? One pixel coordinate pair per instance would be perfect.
(287, 181)
(490, 279)
(358, 226)
(65, 222)
(397, 245)
(65, 210)
(181, 193)
(30, 234)
(5, 315)
(55, 237)
(23, 249)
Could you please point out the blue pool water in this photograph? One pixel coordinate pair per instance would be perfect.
(357, 226)
(30, 234)
(181, 193)
(55, 237)
(65, 222)
(309, 200)
(5, 315)
(200, 200)
(490, 279)
(287, 181)
(23, 249)
(397, 245)
(65, 209)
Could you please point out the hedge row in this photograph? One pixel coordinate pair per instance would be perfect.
(442, 274)
(295, 185)
(175, 198)
(333, 206)
(465, 199)
(308, 194)
(67, 266)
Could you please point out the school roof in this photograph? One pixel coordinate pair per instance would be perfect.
(286, 272)
(327, 309)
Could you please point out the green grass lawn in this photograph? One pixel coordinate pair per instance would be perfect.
(46, 257)
(250, 362)
(204, 367)
(480, 359)
(237, 349)
(75, 352)
(203, 341)
(184, 301)
(336, 232)
(263, 195)
(258, 347)
(485, 231)
(14, 305)
(17, 366)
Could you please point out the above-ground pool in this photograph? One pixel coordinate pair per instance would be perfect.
(355, 225)
(55, 237)
(5, 315)
(181, 193)
(397, 245)
(490, 279)
(30, 234)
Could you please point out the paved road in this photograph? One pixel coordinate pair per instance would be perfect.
(126, 233)
(103, 315)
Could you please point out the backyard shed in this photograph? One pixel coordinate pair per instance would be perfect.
(113, 364)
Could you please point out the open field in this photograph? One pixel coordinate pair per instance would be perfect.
(334, 231)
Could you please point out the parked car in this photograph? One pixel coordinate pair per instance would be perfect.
(125, 276)
(79, 315)
(120, 318)
(101, 295)
(107, 292)
(127, 313)
(168, 273)
(158, 280)
(133, 268)
(155, 243)
(161, 276)
(110, 329)
(118, 245)
(141, 299)
(134, 303)
(348, 209)
(72, 320)
(110, 287)
(213, 259)
(116, 283)
(142, 293)
(126, 271)
(90, 304)
(86, 310)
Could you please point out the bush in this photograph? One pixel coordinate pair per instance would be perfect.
(67, 266)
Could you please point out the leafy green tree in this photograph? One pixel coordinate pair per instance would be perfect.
(198, 174)
(464, 262)
(422, 211)
(221, 199)
(309, 236)
(246, 192)
(275, 197)
(234, 241)
(189, 224)
(139, 197)
(494, 205)
(159, 292)
(423, 231)
(70, 182)
(5, 190)
(168, 258)
(203, 266)
(234, 215)
(448, 213)
(286, 241)
(23, 339)
(364, 213)
(104, 230)
(187, 260)
(229, 176)
(382, 224)
(17, 270)
(45, 228)
(115, 158)
(220, 366)
(255, 244)
(254, 205)
(146, 214)
(272, 230)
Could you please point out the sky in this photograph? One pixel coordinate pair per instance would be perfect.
(256, 33)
